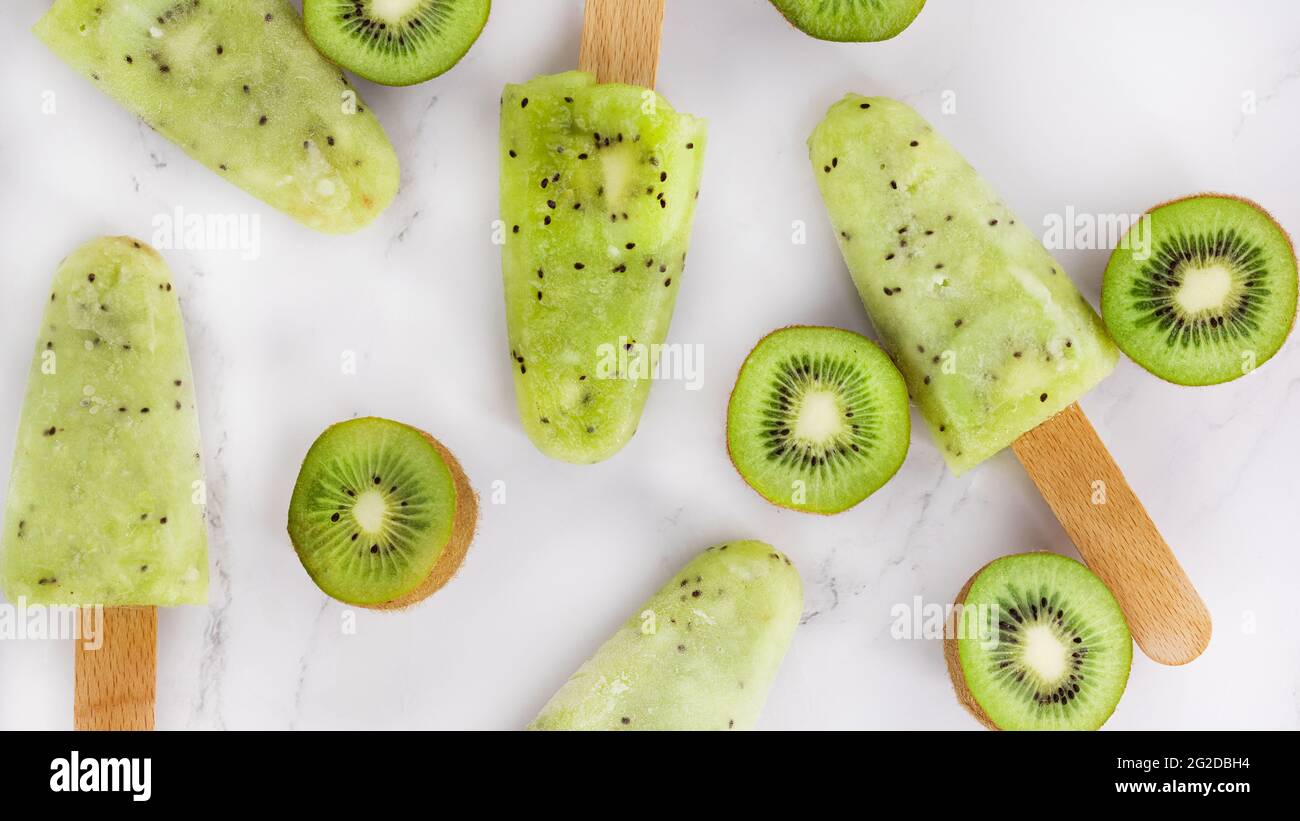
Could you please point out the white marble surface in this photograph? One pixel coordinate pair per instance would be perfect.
(1108, 106)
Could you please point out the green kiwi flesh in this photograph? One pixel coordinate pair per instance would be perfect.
(395, 42)
(818, 419)
(1039, 644)
(381, 514)
(1207, 295)
(598, 189)
(850, 21)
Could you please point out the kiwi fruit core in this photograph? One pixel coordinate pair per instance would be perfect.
(381, 514)
(818, 419)
(1202, 290)
(395, 42)
(853, 21)
(1039, 643)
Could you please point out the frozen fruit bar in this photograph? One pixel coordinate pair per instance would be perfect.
(240, 88)
(988, 330)
(701, 654)
(598, 187)
(105, 502)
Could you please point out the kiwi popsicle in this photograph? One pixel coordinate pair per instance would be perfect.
(240, 88)
(598, 188)
(701, 654)
(989, 332)
(105, 503)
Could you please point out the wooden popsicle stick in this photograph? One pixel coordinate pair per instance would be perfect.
(620, 40)
(116, 682)
(1065, 457)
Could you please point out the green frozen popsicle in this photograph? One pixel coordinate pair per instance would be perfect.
(598, 187)
(989, 332)
(701, 654)
(105, 501)
(240, 88)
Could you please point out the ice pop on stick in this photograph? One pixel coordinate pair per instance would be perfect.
(989, 332)
(598, 187)
(105, 503)
(996, 345)
(240, 88)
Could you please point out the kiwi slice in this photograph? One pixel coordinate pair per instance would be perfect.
(395, 42)
(1039, 643)
(1203, 292)
(818, 419)
(382, 514)
(851, 21)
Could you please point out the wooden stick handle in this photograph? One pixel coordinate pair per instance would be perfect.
(116, 666)
(620, 40)
(1116, 537)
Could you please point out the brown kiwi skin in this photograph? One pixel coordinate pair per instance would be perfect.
(726, 419)
(964, 696)
(464, 525)
(1247, 201)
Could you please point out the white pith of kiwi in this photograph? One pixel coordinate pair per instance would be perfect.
(819, 417)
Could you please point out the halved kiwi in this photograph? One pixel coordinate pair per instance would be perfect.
(854, 21)
(1202, 290)
(1039, 643)
(395, 42)
(382, 514)
(818, 419)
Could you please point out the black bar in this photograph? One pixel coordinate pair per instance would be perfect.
(331, 769)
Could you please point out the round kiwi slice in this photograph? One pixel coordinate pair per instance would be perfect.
(850, 21)
(382, 514)
(1202, 290)
(395, 42)
(1038, 643)
(818, 419)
